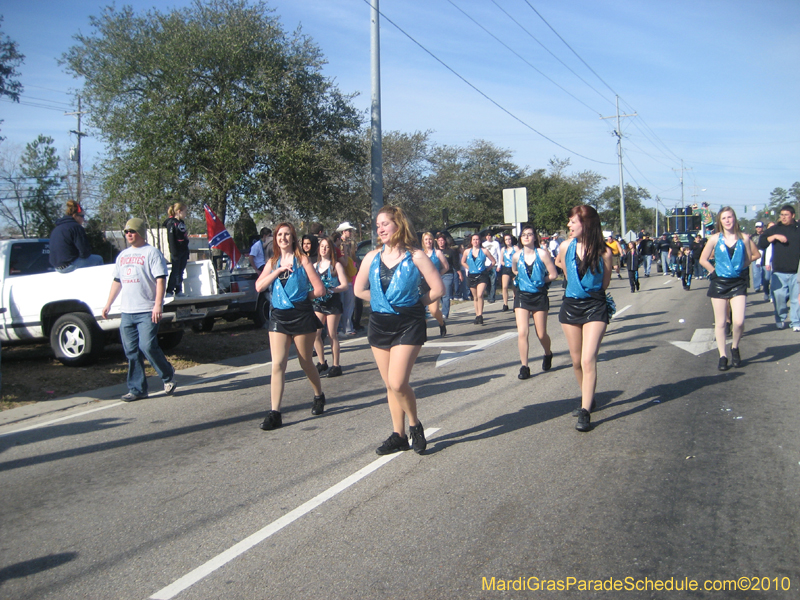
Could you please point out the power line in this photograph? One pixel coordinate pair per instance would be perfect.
(518, 55)
(34, 104)
(604, 83)
(570, 47)
(552, 54)
(474, 87)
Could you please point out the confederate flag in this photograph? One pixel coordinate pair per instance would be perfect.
(218, 236)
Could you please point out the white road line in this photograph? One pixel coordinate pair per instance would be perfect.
(220, 560)
(621, 310)
(46, 423)
(189, 386)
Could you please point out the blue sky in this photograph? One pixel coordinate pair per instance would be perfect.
(714, 83)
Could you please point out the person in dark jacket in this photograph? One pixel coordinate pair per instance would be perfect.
(647, 251)
(696, 248)
(785, 240)
(178, 238)
(69, 245)
(662, 247)
(633, 260)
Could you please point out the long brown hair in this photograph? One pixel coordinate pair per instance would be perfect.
(594, 246)
(276, 251)
(331, 250)
(718, 224)
(405, 235)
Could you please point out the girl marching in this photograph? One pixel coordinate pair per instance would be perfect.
(534, 270)
(389, 279)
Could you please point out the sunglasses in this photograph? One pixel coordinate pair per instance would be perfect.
(127, 231)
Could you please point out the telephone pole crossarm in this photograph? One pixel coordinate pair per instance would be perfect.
(618, 134)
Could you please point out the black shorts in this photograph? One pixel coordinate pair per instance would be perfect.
(331, 306)
(506, 271)
(727, 287)
(405, 329)
(477, 278)
(532, 301)
(294, 321)
(577, 311)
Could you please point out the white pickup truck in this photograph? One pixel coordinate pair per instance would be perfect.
(38, 304)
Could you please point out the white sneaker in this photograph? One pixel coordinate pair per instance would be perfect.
(795, 328)
(169, 388)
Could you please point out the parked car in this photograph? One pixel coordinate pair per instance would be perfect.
(250, 304)
(38, 304)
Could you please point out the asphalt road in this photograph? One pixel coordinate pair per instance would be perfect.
(689, 475)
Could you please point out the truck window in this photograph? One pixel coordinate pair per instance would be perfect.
(29, 259)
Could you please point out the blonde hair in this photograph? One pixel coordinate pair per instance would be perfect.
(175, 208)
(74, 208)
(405, 235)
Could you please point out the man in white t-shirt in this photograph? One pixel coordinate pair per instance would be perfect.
(258, 256)
(555, 243)
(140, 274)
(492, 246)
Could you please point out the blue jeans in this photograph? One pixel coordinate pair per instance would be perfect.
(757, 276)
(447, 280)
(784, 288)
(93, 260)
(492, 284)
(140, 341)
(463, 285)
(348, 306)
(648, 262)
(665, 262)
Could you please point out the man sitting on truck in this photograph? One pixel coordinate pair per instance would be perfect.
(69, 245)
(140, 274)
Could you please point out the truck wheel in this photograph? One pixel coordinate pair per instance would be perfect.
(206, 324)
(167, 341)
(261, 316)
(76, 339)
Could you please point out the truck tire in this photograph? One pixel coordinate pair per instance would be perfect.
(206, 324)
(261, 316)
(167, 341)
(76, 339)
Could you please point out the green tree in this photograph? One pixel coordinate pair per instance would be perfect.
(407, 171)
(469, 181)
(553, 192)
(777, 198)
(637, 216)
(10, 59)
(40, 164)
(31, 188)
(214, 99)
(794, 192)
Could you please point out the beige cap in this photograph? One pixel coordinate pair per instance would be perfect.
(138, 226)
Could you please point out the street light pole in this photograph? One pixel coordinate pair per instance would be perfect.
(618, 133)
(376, 153)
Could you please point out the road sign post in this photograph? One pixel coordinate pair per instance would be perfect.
(515, 207)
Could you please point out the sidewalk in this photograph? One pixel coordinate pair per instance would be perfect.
(22, 416)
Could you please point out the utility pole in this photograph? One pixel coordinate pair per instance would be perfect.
(683, 205)
(618, 133)
(376, 154)
(80, 134)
